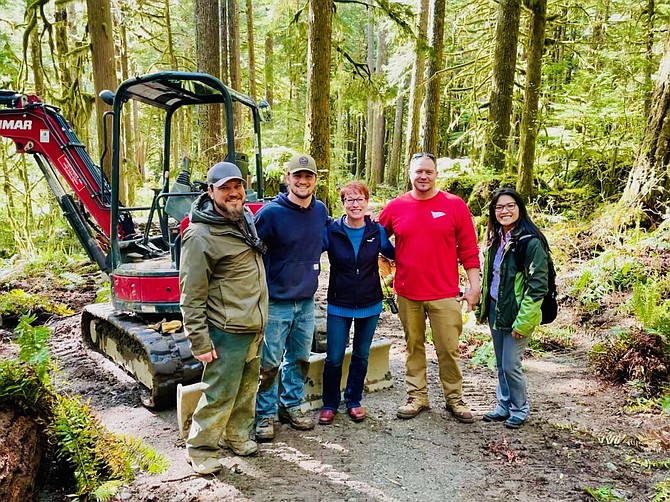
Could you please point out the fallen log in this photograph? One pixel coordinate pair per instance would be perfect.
(21, 452)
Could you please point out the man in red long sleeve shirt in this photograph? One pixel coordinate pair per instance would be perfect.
(433, 233)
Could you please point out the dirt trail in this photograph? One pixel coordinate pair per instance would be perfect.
(431, 457)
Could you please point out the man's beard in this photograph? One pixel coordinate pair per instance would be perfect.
(425, 188)
(229, 213)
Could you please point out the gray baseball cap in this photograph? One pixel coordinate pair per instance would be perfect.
(301, 162)
(221, 172)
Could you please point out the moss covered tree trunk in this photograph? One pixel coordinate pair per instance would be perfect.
(416, 89)
(529, 120)
(207, 54)
(104, 67)
(235, 65)
(251, 49)
(431, 105)
(502, 83)
(20, 455)
(649, 180)
(318, 89)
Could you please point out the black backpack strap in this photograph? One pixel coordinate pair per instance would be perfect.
(519, 249)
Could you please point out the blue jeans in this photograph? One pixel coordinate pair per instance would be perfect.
(287, 345)
(337, 339)
(511, 393)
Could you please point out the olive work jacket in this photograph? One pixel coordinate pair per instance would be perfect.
(520, 294)
(221, 276)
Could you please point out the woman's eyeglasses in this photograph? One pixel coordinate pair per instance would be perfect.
(509, 207)
(423, 154)
(351, 202)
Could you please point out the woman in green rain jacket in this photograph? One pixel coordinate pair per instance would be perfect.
(512, 298)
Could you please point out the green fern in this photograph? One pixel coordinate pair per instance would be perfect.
(144, 457)
(100, 461)
(651, 464)
(662, 490)
(33, 343)
(108, 490)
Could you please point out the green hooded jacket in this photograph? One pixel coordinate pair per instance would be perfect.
(520, 294)
(221, 276)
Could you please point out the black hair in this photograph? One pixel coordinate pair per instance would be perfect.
(494, 228)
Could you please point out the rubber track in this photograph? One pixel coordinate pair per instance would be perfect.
(167, 357)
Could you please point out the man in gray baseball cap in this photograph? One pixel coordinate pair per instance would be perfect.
(222, 172)
(224, 302)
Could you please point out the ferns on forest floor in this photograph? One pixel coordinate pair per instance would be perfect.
(100, 461)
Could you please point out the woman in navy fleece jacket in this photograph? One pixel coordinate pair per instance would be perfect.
(353, 243)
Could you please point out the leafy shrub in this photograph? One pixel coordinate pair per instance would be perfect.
(17, 302)
(662, 491)
(485, 356)
(637, 356)
(604, 493)
(609, 272)
(545, 339)
(650, 306)
(33, 343)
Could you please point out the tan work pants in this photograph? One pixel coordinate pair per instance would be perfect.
(446, 323)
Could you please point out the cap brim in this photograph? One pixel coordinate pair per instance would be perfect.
(225, 180)
(307, 169)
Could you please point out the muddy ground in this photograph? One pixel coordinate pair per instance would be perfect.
(562, 449)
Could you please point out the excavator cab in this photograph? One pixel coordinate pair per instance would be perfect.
(144, 267)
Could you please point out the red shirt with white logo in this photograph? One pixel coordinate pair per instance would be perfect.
(431, 237)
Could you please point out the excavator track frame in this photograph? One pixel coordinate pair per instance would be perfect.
(158, 361)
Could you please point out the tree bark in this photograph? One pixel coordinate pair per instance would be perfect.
(62, 49)
(128, 176)
(394, 167)
(235, 55)
(269, 68)
(223, 23)
(649, 180)
(431, 105)
(502, 83)
(379, 132)
(207, 54)
(529, 119)
(104, 68)
(36, 60)
(370, 121)
(416, 89)
(649, 55)
(360, 152)
(177, 136)
(318, 89)
(20, 455)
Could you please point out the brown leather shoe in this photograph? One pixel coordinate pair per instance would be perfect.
(357, 414)
(326, 417)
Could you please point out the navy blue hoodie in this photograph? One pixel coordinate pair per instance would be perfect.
(294, 237)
